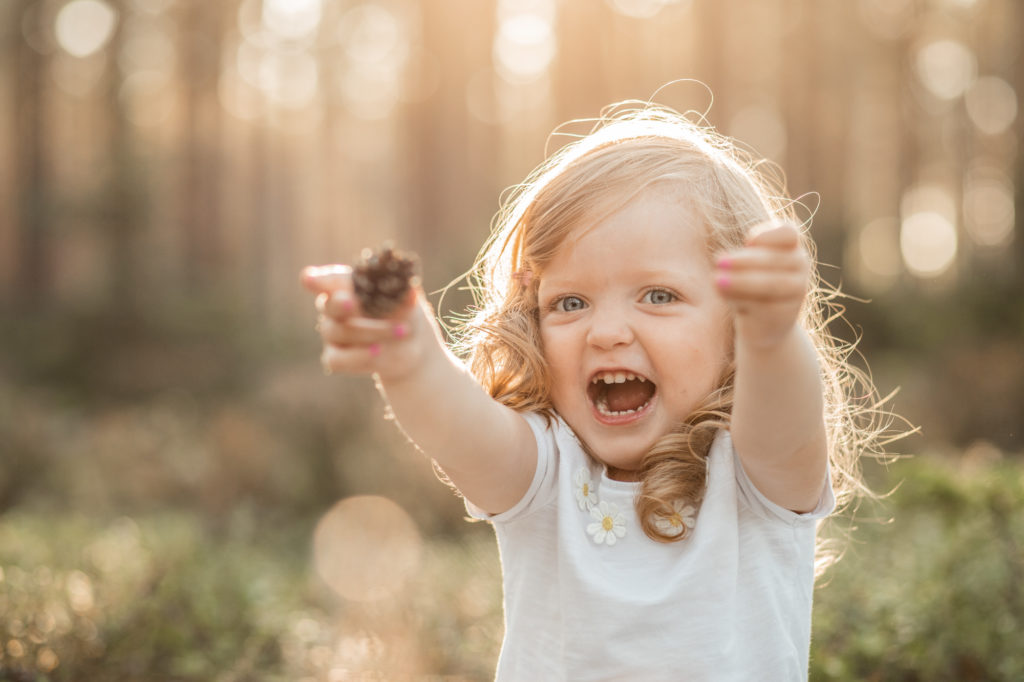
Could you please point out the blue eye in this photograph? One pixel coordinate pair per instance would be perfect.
(659, 296)
(569, 304)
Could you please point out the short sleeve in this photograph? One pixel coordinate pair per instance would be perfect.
(767, 509)
(543, 476)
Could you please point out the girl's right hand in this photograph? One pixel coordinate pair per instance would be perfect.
(392, 347)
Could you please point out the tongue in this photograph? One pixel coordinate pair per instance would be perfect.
(627, 396)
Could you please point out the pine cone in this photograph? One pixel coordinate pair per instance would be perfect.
(382, 279)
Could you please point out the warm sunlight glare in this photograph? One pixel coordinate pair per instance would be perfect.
(292, 19)
(643, 9)
(928, 243)
(84, 26)
(366, 547)
(376, 44)
(928, 239)
(372, 34)
(946, 68)
(992, 105)
(525, 44)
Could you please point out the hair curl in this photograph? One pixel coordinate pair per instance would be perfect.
(634, 146)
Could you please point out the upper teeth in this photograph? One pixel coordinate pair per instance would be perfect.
(616, 377)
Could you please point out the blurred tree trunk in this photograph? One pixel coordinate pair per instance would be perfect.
(445, 192)
(31, 180)
(1017, 19)
(200, 39)
(123, 215)
(710, 70)
(580, 79)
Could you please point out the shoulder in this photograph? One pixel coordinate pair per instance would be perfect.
(730, 465)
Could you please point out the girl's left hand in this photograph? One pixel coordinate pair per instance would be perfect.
(766, 283)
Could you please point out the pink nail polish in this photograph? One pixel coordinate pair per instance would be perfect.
(401, 330)
(722, 281)
(374, 350)
(725, 262)
(347, 305)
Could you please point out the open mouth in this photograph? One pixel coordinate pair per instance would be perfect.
(620, 393)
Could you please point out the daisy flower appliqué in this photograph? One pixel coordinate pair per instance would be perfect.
(609, 523)
(586, 498)
(683, 517)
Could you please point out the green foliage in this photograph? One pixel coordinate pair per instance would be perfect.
(937, 591)
(933, 592)
(167, 598)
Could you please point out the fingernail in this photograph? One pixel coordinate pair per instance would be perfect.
(725, 262)
(722, 281)
(400, 330)
(374, 350)
(347, 305)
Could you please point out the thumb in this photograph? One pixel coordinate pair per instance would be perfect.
(326, 278)
(778, 235)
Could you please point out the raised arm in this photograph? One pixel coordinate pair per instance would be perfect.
(485, 448)
(778, 425)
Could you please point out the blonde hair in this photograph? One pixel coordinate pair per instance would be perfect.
(632, 147)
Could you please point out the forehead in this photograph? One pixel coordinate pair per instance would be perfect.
(661, 212)
(655, 230)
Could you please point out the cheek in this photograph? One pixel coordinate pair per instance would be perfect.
(558, 358)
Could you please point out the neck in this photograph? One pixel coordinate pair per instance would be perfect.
(625, 475)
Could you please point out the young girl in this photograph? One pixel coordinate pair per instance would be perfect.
(649, 412)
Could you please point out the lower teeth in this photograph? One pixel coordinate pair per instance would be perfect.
(602, 407)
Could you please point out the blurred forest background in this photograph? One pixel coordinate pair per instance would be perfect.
(184, 496)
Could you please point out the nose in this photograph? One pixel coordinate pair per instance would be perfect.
(609, 328)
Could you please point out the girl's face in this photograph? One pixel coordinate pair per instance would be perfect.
(634, 333)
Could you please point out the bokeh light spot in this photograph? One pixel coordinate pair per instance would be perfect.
(928, 197)
(47, 660)
(372, 34)
(643, 9)
(991, 104)
(928, 243)
(292, 19)
(366, 547)
(524, 46)
(80, 593)
(989, 211)
(288, 78)
(946, 68)
(85, 26)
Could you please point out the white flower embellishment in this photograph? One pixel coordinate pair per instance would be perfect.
(586, 498)
(609, 523)
(683, 517)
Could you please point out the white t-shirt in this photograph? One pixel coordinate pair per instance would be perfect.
(730, 602)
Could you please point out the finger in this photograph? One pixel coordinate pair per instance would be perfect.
(775, 235)
(361, 331)
(352, 360)
(760, 286)
(326, 278)
(760, 258)
(340, 303)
